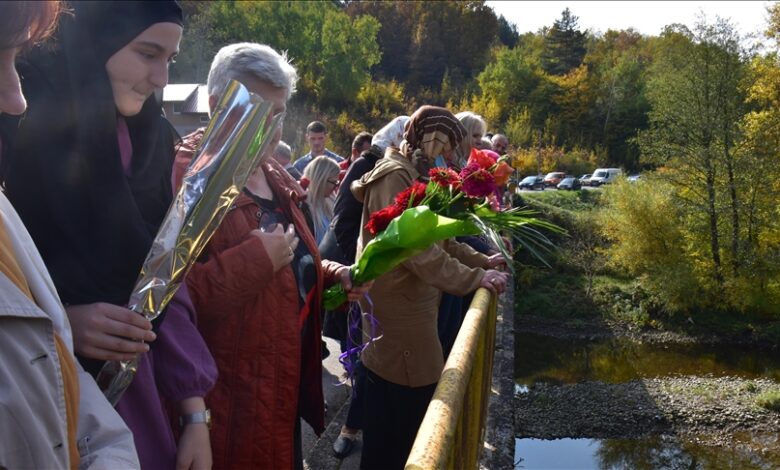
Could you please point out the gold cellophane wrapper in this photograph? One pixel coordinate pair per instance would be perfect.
(238, 134)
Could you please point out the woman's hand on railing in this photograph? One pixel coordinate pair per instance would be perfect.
(496, 260)
(494, 281)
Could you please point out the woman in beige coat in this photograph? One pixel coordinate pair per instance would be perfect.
(405, 364)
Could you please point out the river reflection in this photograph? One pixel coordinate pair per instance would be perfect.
(561, 361)
(546, 359)
(657, 452)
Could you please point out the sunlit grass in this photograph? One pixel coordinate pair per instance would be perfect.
(769, 400)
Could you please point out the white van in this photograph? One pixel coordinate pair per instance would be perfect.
(604, 176)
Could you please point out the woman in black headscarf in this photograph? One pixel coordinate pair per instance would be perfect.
(88, 169)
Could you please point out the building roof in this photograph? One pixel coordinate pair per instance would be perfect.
(194, 97)
(178, 91)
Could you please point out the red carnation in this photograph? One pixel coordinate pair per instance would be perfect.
(402, 198)
(380, 219)
(477, 182)
(445, 177)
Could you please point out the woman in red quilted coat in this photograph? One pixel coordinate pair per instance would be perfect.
(257, 289)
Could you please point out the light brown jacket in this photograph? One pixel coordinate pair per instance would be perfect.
(406, 299)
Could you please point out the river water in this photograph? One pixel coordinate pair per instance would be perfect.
(562, 361)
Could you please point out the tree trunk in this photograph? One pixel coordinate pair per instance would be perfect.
(713, 219)
(734, 214)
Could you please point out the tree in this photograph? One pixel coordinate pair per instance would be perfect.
(507, 33)
(585, 250)
(423, 41)
(617, 64)
(565, 45)
(696, 105)
(333, 52)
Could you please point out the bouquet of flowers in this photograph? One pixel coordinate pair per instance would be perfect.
(450, 204)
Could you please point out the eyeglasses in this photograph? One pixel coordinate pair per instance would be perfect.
(333, 182)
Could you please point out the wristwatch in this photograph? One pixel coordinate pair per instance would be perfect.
(199, 417)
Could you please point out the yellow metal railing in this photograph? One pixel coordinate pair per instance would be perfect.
(453, 430)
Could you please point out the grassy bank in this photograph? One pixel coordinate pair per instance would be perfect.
(561, 292)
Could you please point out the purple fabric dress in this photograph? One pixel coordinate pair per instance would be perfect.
(178, 366)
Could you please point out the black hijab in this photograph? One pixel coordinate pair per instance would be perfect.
(62, 168)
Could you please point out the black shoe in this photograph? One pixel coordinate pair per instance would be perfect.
(343, 445)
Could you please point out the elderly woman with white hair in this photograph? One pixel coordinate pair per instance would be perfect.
(257, 288)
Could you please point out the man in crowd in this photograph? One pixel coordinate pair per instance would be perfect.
(360, 144)
(316, 135)
(500, 144)
(283, 155)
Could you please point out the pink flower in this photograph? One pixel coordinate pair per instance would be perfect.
(495, 204)
(477, 182)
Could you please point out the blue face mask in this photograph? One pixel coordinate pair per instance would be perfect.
(440, 162)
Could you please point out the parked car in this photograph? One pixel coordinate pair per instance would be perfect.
(570, 183)
(553, 178)
(633, 178)
(605, 176)
(585, 179)
(532, 182)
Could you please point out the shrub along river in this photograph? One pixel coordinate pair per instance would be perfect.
(615, 401)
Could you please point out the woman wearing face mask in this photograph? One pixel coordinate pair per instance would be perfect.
(404, 365)
(50, 408)
(89, 169)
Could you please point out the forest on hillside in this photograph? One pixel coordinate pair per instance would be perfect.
(558, 90)
(697, 108)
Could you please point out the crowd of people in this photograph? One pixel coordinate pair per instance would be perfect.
(89, 166)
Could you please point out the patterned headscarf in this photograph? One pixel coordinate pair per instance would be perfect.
(430, 131)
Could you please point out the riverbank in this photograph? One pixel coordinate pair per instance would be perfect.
(557, 304)
(712, 411)
(606, 379)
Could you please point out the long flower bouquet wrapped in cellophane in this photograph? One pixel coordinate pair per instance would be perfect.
(450, 204)
(238, 134)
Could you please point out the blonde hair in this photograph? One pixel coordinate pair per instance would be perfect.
(320, 172)
(474, 123)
